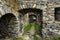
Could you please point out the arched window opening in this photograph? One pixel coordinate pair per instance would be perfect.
(32, 18)
(7, 24)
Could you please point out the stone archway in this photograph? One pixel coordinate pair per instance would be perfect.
(7, 25)
(27, 13)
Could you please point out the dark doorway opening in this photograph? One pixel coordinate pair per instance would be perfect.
(35, 17)
(5, 25)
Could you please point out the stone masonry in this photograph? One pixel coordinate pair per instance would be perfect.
(50, 26)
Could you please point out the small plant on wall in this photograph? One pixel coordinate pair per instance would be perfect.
(27, 28)
(36, 28)
(30, 25)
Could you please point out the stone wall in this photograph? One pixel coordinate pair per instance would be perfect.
(49, 24)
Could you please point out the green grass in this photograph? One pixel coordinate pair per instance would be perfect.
(18, 38)
(55, 38)
(36, 38)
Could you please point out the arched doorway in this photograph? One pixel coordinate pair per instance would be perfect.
(7, 24)
(31, 15)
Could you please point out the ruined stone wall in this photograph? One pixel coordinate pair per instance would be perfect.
(48, 13)
(50, 25)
